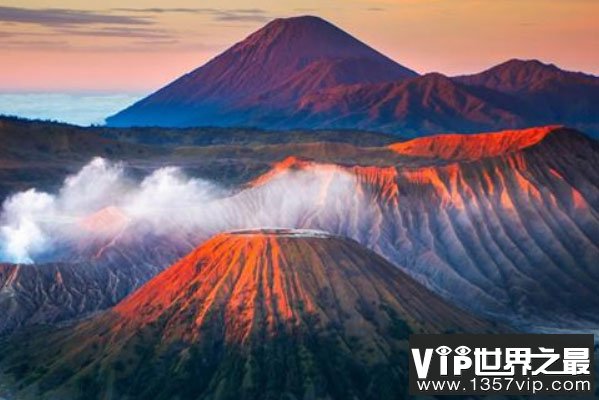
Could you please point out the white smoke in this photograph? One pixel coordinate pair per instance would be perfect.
(21, 232)
(97, 184)
(167, 201)
(168, 197)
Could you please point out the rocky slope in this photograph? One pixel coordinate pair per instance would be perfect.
(503, 224)
(89, 277)
(248, 314)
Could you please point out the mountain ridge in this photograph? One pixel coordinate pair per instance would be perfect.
(305, 73)
(517, 74)
(475, 146)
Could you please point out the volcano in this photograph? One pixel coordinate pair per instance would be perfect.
(305, 73)
(271, 68)
(501, 224)
(477, 218)
(248, 314)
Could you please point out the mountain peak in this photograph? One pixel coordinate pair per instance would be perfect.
(306, 73)
(272, 67)
(301, 20)
(517, 75)
(303, 24)
(531, 68)
(301, 40)
(526, 63)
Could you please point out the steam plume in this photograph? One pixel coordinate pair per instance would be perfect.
(102, 195)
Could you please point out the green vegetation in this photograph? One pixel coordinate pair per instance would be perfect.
(41, 153)
(295, 365)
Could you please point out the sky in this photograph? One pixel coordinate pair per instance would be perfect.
(134, 47)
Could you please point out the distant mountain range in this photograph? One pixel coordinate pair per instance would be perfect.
(304, 72)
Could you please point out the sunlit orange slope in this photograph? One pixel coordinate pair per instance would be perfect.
(472, 147)
(255, 282)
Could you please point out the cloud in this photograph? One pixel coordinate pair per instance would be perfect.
(121, 32)
(120, 23)
(144, 44)
(103, 197)
(239, 14)
(79, 109)
(18, 34)
(53, 17)
(35, 44)
(162, 10)
(231, 16)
